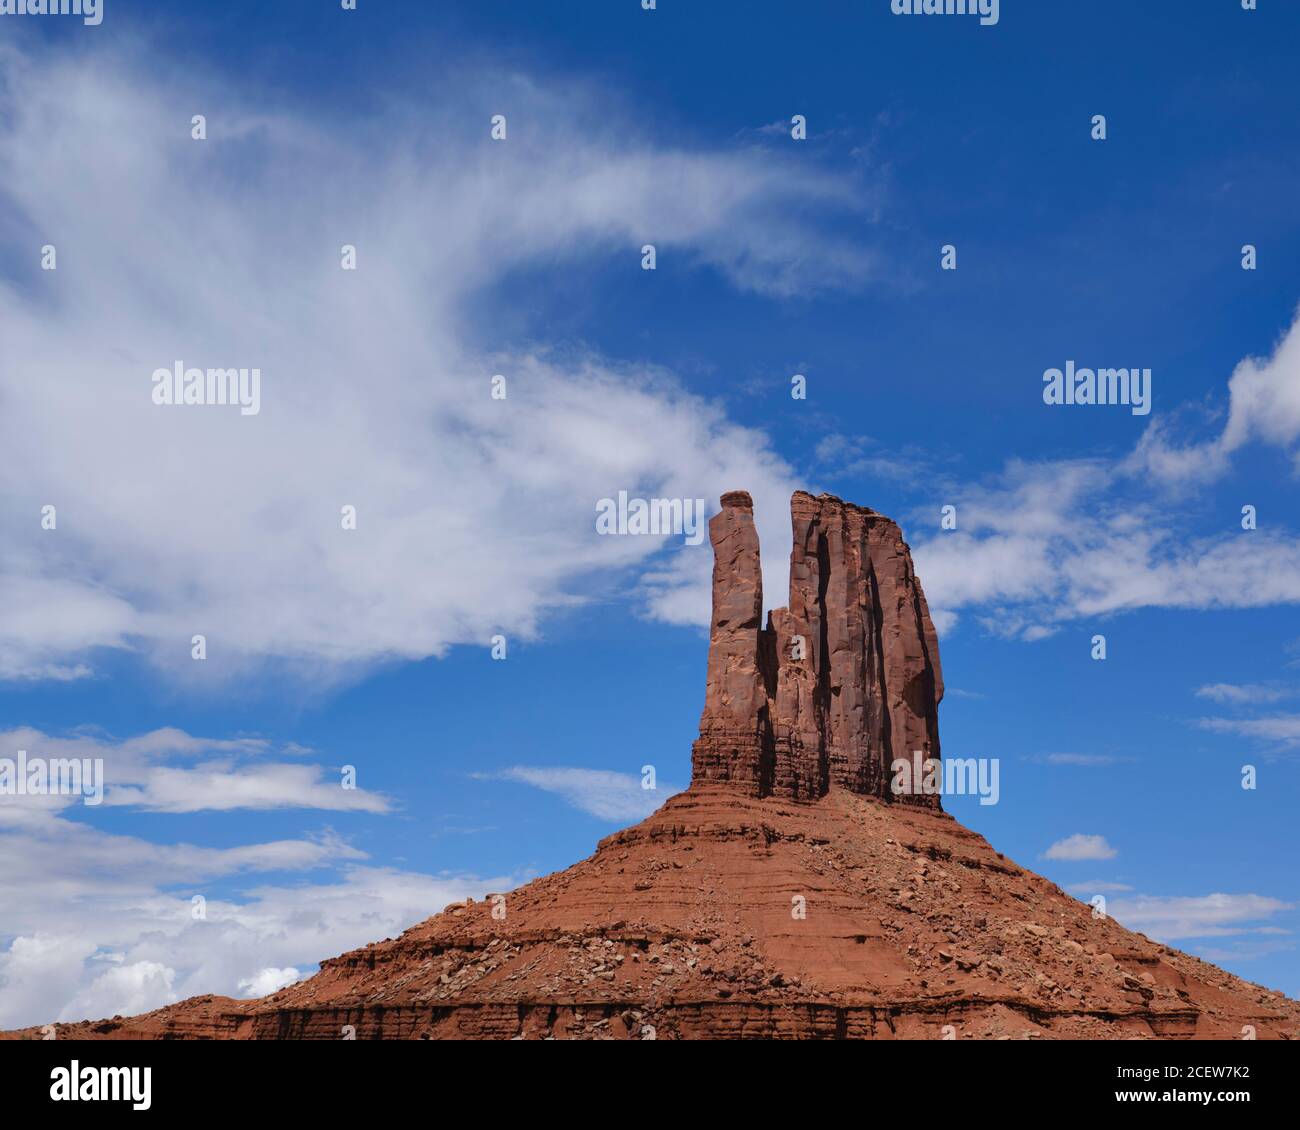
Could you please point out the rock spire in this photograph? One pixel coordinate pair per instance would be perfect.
(839, 683)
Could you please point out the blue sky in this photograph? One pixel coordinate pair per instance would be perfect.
(821, 257)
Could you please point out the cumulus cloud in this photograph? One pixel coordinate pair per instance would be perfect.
(1263, 407)
(610, 796)
(102, 923)
(474, 515)
(1080, 847)
(99, 922)
(124, 990)
(267, 981)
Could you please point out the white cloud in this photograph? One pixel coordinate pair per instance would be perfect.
(40, 974)
(1159, 456)
(1239, 694)
(55, 864)
(474, 515)
(1046, 543)
(1265, 397)
(1089, 760)
(233, 773)
(224, 786)
(1264, 407)
(1098, 887)
(1080, 847)
(1216, 915)
(1010, 539)
(104, 923)
(1278, 728)
(97, 923)
(607, 795)
(841, 456)
(125, 990)
(1049, 542)
(267, 981)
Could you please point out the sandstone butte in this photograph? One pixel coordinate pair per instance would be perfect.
(690, 924)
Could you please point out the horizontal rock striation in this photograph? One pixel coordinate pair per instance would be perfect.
(842, 681)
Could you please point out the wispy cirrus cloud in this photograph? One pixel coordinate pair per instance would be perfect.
(1099, 887)
(601, 793)
(168, 770)
(1203, 916)
(474, 515)
(1284, 728)
(1082, 760)
(1044, 543)
(1242, 694)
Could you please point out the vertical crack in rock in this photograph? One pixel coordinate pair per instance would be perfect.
(842, 681)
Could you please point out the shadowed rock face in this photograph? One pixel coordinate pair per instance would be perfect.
(842, 681)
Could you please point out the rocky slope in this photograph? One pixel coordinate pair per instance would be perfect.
(789, 892)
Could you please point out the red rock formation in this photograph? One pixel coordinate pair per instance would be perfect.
(735, 739)
(733, 912)
(842, 681)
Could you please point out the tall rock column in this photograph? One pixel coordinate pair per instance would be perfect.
(909, 650)
(876, 663)
(735, 735)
